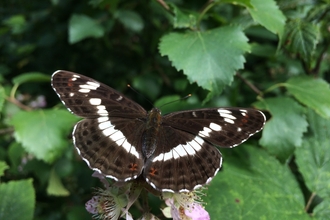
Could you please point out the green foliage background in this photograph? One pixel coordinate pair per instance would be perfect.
(273, 55)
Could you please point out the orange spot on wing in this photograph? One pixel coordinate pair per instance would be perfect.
(245, 119)
(153, 171)
(70, 84)
(133, 167)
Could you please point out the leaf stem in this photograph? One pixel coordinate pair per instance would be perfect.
(19, 104)
(310, 200)
(6, 131)
(316, 69)
(162, 3)
(13, 91)
(13, 100)
(274, 87)
(208, 6)
(249, 84)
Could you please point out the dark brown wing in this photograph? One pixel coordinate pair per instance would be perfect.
(89, 98)
(224, 127)
(111, 146)
(181, 161)
(109, 138)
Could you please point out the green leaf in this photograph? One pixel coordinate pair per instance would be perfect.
(267, 13)
(254, 185)
(2, 97)
(55, 186)
(17, 23)
(31, 77)
(130, 19)
(17, 200)
(82, 27)
(15, 155)
(43, 132)
(40, 170)
(3, 167)
(184, 18)
(148, 85)
(312, 92)
(263, 50)
(163, 101)
(313, 157)
(208, 58)
(301, 37)
(245, 3)
(322, 211)
(284, 130)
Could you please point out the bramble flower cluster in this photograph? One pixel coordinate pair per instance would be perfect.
(115, 200)
(184, 206)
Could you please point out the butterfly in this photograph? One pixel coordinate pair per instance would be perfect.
(173, 153)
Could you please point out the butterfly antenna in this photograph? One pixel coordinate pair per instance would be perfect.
(180, 99)
(140, 94)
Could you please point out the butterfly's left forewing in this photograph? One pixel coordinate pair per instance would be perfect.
(89, 98)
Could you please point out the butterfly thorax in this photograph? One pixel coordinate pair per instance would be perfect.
(154, 120)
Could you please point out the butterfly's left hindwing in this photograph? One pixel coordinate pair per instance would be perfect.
(112, 150)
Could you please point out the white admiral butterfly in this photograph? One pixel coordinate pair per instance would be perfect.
(173, 153)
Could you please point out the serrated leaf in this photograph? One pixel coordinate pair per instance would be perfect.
(284, 130)
(3, 167)
(316, 13)
(254, 185)
(301, 37)
(31, 77)
(17, 200)
(43, 132)
(55, 186)
(312, 92)
(313, 157)
(130, 19)
(208, 58)
(82, 27)
(267, 13)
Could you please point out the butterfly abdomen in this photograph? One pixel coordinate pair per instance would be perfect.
(153, 123)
